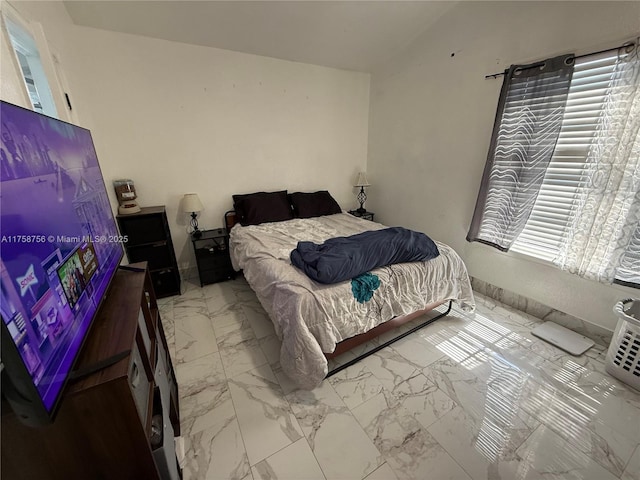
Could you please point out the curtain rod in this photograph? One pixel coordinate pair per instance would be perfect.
(628, 44)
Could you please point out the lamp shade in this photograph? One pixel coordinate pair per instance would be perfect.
(362, 180)
(191, 203)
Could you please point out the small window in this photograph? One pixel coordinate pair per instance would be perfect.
(31, 66)
(561, 178)
(586, 109)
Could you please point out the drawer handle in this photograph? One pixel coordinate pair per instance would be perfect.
(135, 375)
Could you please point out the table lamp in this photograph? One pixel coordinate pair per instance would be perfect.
(362, 195)
(191, 204)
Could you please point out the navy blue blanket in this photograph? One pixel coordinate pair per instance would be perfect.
(339, 259)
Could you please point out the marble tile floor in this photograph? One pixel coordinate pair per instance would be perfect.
(471, 396)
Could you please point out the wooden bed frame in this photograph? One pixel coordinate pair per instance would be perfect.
(395, 322)
(230, 219)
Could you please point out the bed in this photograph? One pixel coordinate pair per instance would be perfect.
(315, 320)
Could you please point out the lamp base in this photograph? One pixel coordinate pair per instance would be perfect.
(362, 197)
(194, 225)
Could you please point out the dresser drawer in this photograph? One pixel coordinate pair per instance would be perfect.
(166, 282)
(158, 255)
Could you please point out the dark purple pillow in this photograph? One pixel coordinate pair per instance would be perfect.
(306, 205)
(262, 207)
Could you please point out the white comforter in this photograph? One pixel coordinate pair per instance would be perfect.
(311, 318)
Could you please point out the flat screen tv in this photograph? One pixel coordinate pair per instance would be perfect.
(58, 254)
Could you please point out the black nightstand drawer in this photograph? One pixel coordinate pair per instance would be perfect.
(211, 248)
(216, 275)
(365, 215)
(209, 260)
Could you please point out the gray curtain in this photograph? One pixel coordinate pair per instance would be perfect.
(526, 129)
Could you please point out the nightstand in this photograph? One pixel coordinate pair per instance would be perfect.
(365, 215)
(212, 256)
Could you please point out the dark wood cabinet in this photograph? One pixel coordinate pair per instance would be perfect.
(212, 256)
(148, 238)
(103, 429)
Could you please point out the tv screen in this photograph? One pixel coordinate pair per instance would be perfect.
(58, 253)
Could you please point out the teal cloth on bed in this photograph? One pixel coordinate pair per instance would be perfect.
(363, 286)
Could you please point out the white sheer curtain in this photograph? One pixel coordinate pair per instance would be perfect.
(607, 211)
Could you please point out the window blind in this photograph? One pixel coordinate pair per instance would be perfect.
(550, 216)
(528, 121)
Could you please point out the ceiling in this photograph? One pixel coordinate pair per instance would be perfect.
(352, 35)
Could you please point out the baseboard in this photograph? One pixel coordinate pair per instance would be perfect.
(596, 333)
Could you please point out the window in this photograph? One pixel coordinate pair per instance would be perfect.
(543, 233)
(28, 57)
(562, 180)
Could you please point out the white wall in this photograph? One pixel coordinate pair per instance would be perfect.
(179, 118)
(431, 116)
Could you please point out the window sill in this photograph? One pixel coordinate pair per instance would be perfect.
(618, 284)
(531, 258)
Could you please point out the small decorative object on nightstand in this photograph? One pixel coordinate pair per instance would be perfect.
(212, 256)
(365, 215)
(362, 182)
